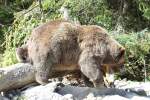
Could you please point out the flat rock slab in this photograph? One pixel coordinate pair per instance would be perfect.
(140, 88)
(58, 91)
(16, 76)
(40, 92)
(86, 93)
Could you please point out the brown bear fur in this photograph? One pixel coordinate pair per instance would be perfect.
(63, 46)
(22, 54)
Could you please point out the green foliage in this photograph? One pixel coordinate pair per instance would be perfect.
(7, 9)
(6, 14)
(21, 28)
(91, 12)
(9, 57)
(86, 11)
(18, 33)
(144, 6)
(137, 52)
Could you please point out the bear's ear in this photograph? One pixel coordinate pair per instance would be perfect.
(121, 54)
(122, 51)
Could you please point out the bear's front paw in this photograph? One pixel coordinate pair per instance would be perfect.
(41, 78)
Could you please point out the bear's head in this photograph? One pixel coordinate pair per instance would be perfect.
(113, 61)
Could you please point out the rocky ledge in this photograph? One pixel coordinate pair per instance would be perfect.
(125, 90)
(17, 79)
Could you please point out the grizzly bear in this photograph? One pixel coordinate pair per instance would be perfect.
(63, 46)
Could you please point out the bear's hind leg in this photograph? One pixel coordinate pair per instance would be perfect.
(86, 81)
(43, 69)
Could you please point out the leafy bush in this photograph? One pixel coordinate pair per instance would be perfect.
(137, 54)
(18, 33)
(91, 12)
(144, 6)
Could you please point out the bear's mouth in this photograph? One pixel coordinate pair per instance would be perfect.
(108, 76)
(107, 82)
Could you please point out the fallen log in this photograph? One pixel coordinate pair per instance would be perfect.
(16, 76)
(20, 75)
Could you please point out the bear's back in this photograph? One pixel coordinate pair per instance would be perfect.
(57, 37)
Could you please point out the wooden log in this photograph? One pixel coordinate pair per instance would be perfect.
(16, 76)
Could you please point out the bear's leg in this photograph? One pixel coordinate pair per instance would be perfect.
(90, 67)
(86, 81)
(42, 74)
(43, 69)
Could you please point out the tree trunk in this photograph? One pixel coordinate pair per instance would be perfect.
(16, 76)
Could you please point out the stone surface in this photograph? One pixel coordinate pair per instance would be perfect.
(3, 98)
(16, 76)
(125, 90)
(140, 88)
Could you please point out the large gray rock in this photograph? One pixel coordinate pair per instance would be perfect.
(140, 88)
(43, 93)
(114, 97)
(57, 91)
(16, 76)
(87, 93)
(3, 98)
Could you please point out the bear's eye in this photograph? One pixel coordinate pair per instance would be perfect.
(120, 54)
